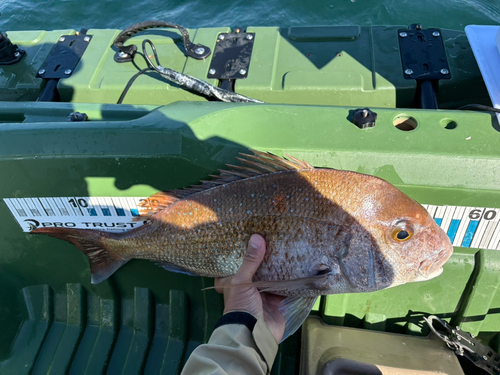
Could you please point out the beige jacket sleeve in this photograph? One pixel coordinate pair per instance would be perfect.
(242, 344)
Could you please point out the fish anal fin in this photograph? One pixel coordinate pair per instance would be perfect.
(295, 310)
(92, 244)
(174, 268)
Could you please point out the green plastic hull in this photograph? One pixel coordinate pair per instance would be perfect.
(147, 320)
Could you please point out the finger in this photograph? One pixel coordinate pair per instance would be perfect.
(253, 257)
(218, 283)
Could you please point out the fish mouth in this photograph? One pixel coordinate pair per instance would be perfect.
(433, 267)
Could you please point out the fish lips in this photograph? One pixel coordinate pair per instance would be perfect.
(433, 267)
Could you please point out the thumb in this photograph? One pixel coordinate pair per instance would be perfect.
(253, 257)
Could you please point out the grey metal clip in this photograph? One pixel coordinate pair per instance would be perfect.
(467, 345)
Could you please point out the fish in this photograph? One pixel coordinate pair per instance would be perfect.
(327, 231)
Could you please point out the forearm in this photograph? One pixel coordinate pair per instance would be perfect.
(239, 344)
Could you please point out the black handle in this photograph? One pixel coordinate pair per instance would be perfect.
(196, 51)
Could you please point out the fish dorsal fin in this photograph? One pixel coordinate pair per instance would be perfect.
(155, 203)
(251, 165)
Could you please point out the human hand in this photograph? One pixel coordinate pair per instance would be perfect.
(248, 298)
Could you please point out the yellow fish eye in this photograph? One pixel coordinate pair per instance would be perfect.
(402, 233)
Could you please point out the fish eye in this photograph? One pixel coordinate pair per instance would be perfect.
(402, 232)
(402, 235)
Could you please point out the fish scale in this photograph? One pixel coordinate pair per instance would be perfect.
(327, 231)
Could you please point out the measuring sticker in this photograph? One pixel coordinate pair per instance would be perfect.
(103, 213)
(475, 227)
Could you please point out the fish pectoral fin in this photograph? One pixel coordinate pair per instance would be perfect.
(295, 310)
(311, 282)
(173, 268)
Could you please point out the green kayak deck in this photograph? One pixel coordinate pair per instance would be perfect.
(147, 320)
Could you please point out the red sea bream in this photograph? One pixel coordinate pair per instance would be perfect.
(327, 231)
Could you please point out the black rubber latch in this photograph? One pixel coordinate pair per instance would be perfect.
(77, 116)
(9, 53)
(364, 118)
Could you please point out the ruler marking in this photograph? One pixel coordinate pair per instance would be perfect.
(60, 207)
(469, 233)
(98, 206)
(112, 206)
(438, 216)
(122, 204)
(488, 232)
(63, 208)
(464, 222)
(23, 208)
(496, 237)
(91, 208)
(133, 204)
(126, 206)
(452, 232)
(19, 210)
(76, 206)
(29, 207)
(106, 210)
(431, 209)
(83, 205)
(46, 206)
(12, 207)
(39, 205)
(456, 220)
(445, 224)
(36, 210)
(474, 227)
(481, 228)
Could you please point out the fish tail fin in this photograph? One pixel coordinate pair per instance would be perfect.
(93, 244)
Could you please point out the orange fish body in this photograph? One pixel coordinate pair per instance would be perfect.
(327, 231)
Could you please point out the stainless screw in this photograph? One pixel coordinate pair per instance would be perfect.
(485, 358)
(403, 34)
(211, 71)
(62, 39)
(243, 71)
(16, 54)
(435, 33)
(199, 51)
(41, 72)
(409, 71)
(444, 71)
(221, 37)
(123, 55)
(67, 71)
(87, 39)
(249, 37)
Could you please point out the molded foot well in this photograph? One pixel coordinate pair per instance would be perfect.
(79, 333)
